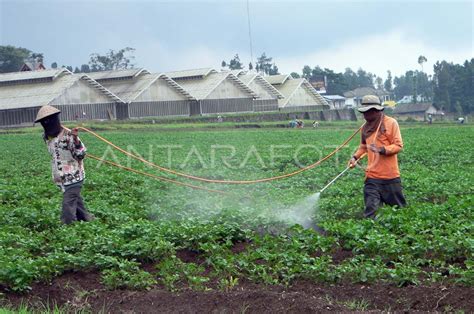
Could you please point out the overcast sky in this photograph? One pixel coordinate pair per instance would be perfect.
(173, 35)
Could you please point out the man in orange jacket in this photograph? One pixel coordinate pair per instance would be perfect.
(381, 141)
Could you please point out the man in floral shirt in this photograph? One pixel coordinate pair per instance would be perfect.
(67, 152)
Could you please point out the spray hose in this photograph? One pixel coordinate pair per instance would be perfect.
(154, 176)
(222, 181)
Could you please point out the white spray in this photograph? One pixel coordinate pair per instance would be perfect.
(301, 213)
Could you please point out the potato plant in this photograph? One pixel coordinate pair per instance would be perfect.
(142, 221)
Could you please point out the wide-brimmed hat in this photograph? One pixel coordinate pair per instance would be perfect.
(370, 102)
(46, 111)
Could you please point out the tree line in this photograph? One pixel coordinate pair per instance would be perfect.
(12, 58)
(450, 88)
(263, 65)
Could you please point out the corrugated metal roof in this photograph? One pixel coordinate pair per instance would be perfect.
(175, 75)
(38, 94)
(292, 85)
(116, 74)
(33, 95)
(411, 108)
(238, 72)
(200, 88)
(334, 97)
(32, 75)
(128, 90)
(248, 78)
(278, 79)
(362, 91)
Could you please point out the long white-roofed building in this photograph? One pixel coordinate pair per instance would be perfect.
(77, 96)
(147, 94)
(267, 95)
(215, 92)
(298, 93)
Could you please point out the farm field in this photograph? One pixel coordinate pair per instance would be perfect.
(156, 246)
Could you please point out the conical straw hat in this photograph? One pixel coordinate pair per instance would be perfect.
(46, 111)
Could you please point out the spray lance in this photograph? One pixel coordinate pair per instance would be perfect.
(339, 175)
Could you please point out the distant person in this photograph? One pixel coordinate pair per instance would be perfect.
(430, 119)
(299, 124)
(292, 123)
(67, 153)
(315, 124)
(382, 141)
(461, 120)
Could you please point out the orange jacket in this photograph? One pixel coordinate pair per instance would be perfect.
(383, 166)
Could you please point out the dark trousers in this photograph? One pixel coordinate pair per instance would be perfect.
(378, 192)
(73, 206)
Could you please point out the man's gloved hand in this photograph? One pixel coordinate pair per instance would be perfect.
(352, 163)
(375, 149)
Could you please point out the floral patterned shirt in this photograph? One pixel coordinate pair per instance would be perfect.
(67, 158)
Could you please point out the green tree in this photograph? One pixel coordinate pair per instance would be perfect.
(403, 85)
(36, 58)
(388, 82)
(415, 91)
(351, 79)
(294, 75)
(54, 65)
(413, 83)
(264, 64)
(379, 83)
(421, 60)
(77, 70)
(273, 70)
(336, 82)
(122, 59)
(453, 86)
(235, 63)
(12, 58)
(85, 68)
(306, 72)
(223, 64)
(364, 79)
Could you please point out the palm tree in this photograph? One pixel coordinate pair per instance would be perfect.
(421, 60)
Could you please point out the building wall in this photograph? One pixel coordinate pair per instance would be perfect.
(159, 108)
(69, 112)
(17, 117)
(301, 97)
(209, 106)
(99, 111)
(337, 104)
(265, 105)
(80, 93)
(431, 110)
(303, 108)
(160, 91)
(350, 102)
(227, 89)
(260, 90)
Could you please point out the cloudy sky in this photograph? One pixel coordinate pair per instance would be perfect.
(171, 35)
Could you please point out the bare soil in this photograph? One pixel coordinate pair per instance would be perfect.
(78, 291)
